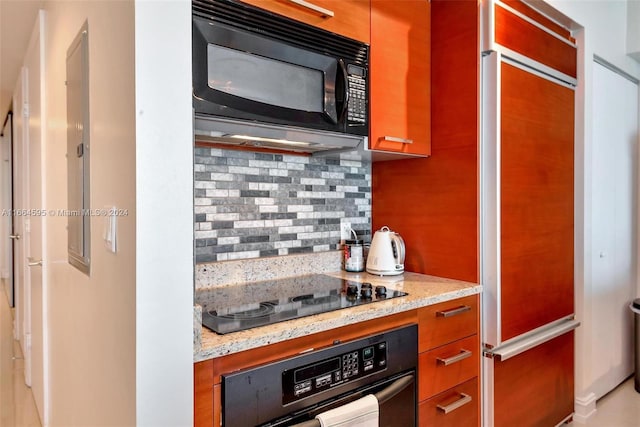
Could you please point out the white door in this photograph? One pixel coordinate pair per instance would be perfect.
(614, 225)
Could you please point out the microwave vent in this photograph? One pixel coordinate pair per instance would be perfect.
(243, 16)
(234, 132)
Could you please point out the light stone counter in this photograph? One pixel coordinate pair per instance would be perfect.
(423, 290)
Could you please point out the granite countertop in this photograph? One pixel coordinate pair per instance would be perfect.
(423, 290)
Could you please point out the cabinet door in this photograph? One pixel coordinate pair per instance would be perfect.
(204, 408)
(350, 17)
(535, 388)
(536, 200)
(400, 65)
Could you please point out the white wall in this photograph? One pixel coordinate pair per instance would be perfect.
(164, 218)
(601, 29)
(121, 348)
(92, 319)
(633, 29)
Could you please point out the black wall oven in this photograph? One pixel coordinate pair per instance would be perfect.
(251, 64)
(293, 391)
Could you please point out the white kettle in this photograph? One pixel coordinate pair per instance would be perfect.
(386, 255)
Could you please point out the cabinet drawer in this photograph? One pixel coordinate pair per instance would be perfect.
(443, 323)
(350, 17)
(456, 407)
(447, 366)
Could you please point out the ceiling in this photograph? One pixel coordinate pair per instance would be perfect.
(17, 18)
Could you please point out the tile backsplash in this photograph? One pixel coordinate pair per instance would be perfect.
(251, 205)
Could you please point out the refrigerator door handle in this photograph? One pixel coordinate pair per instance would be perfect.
(517, 347)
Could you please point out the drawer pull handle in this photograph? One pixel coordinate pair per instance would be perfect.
(454, 359)
(464, 399)
(453, 311)
(396, 139)
(321, 10)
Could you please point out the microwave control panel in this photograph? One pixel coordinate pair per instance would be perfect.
(357, 111)
(314, 378)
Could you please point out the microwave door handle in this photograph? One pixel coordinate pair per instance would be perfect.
(345, 78)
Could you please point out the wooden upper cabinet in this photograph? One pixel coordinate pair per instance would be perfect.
(350, 17)
(400, 80)
(526, 32)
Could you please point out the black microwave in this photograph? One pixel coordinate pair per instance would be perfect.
(253, 65)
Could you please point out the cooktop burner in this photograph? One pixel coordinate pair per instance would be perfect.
(265, 303)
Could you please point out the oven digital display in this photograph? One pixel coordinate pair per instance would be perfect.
(316, 370)
(313, 378)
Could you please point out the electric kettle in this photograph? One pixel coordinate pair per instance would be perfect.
(386, 255)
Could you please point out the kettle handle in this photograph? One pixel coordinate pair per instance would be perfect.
(399, 243)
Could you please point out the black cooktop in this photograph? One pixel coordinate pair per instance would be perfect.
(269, 302)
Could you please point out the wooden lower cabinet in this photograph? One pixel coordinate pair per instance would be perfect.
(217, 405)
(448, 366)
(204, 395)
(448, 321)
(449, 363)
(207, 374)
(456, 407)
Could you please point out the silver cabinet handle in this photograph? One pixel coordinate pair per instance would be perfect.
(464, 399)
(396, 139)
(33, 262)
(14, 236)
(321, 10)
(453, 359)
(453, 311)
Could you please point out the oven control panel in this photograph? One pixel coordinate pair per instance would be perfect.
(305, 381)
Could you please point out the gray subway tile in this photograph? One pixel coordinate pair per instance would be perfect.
(269, 252)
(311, 182)
(254, 193)
(254, 239)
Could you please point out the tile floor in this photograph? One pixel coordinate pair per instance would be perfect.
(17, 407)
(620, 408)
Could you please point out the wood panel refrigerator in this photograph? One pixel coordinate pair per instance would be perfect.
(527, 238)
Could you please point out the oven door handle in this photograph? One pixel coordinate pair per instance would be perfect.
(383, 396)
(396, 387)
